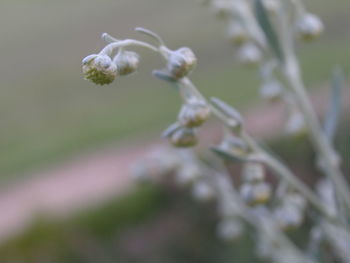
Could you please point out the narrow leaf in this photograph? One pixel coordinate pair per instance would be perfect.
(163, 75)
(269, 32)
(332, 117)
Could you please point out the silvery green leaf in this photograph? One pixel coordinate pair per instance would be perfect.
(269, 32)
(228, 110)
(332, 118)
(171, 129)
(164, 75)
(224, 154)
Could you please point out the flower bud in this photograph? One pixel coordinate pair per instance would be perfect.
(309, 27)
(194, 113)
(99, 69)
(127, 62)
(288, 217)
(222, 8)
(249, 54)
(202, 191)
(255, 194)
(271, 6)
(188, 174)
(253, 172)
(184, 137)
(181, 62)
(237, 34)
(295, 124)
(271, 90)
(230, 229)
(235, 147)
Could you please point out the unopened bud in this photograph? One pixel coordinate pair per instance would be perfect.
(127, 62)
(253, 172)
(309, 27)
(188, 174)
(222, 8)
(237, 34)
(249, 54)
(288, 217)
(230, 229)
(203, 191)
(184, 137)
(194, 114)
(296, 124)
(99, 69)
(255, 194)
(271, 90)
(181, 62)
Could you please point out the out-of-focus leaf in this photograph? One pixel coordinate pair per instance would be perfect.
(163, 75)
(227, 155)
(226, 109)
(171, 129)
(332, 117)
(269, 32)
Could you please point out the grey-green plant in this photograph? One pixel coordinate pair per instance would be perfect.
(264, 33)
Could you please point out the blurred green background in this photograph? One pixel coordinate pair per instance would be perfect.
(49, 113)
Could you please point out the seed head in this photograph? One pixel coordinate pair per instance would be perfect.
(181, 62)
(309, 27)
(194, 113)
(127, 62)
(99, 69)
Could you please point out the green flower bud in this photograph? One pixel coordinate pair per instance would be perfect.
(249, 54)
(127, 62)
(99, 69)
(194, 113)
(288, 217)
(202, 191)
(181, 62)
(230, 229)
(255, 194)
(271, 90)
(237, 34)
(183, 137)
(253, 172)
(309, 27)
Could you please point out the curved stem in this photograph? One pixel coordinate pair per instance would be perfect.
(127, 42)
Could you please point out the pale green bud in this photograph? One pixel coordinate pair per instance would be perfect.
(253, 172)
(194, 113)
(237, 34)
(309, 27)
(255, 194)
(183, 137)
(181, 62)
(127, 62)
(99, 69)
(249, 54)
(271, 90)
(230, 229)
(188, 174)
(288, 217)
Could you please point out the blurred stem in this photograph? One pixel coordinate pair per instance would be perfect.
(323, 147)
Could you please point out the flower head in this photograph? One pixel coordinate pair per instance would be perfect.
(127, 62)
(194, 113)
(181, 62)
(99, 69)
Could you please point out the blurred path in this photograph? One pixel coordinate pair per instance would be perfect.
(93, 178)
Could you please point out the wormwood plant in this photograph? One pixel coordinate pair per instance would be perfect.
(263, 32)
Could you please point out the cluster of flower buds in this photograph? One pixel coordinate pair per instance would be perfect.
(254, 190)
(290, 214)
(309, 26)
(101, 69)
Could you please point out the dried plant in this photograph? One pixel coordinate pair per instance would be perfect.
(263, 33)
